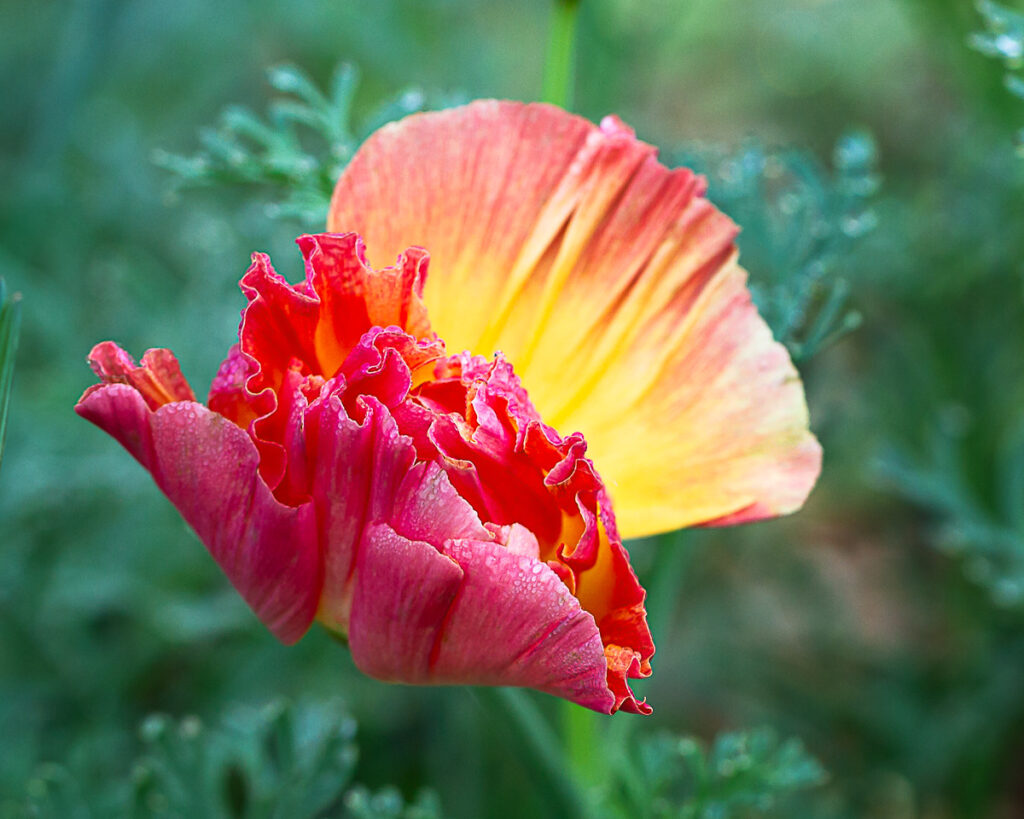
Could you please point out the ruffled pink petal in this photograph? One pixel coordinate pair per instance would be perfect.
(207, 467)
(330, 494)
(291, 335)
(320, 320)
(475, 614)
(422, 589)
(403, 591)
(363, 471)
(158, 377)
(228, 394)
(517, 471)
(354, 297)
(514, 622)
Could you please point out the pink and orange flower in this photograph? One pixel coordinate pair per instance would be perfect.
(369, 458)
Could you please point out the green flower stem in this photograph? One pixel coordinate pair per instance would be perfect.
(584, 735)
(594, 745)
(535, 732)
(559, 70)
(671, 562)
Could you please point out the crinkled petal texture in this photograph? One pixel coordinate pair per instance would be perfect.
(612, 285)
(347, 470)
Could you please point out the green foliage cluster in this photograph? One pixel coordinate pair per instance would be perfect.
(799, 225)
(986, 536)
(964, 466)
(276, 762)
(283, 761)
(742, 774)
(1003, 39)
(297, 153)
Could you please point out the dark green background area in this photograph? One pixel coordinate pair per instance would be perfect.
(883, 625)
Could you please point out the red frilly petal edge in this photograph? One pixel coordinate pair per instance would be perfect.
(435, 596)
(365, 538)
(207, 467)
(291, 332)
(516, 470)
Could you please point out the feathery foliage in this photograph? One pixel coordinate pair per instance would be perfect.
(1003, 40)
(800, 224)
(742, 774)
(281, 761)
(298, 151)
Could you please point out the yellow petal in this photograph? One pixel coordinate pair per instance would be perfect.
(611, 284)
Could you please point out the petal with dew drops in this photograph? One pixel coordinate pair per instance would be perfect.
(472, 614)
(364, 473)
(403, 590)
(207, 467)
(571, 249)
(515, 622)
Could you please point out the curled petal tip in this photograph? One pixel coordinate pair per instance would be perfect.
(157, 377)
(207, 467)
(613, 126)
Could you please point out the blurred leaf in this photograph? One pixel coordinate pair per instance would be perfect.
(300, 149)
(10, 321)
(800, 224)
(276, 762)
(1003, 40)
(988, 540)
(743, 774)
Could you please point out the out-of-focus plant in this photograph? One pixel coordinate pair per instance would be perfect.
(799, 225)
(10, 318)
(988, 537)
(1003, 40)
(624, 773)
(743, 774)
(299, 149)
(276, 762)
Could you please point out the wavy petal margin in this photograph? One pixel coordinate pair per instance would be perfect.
(208, 468)
(596, 260)
(384, 549)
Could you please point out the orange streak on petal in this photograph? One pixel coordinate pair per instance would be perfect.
(157, 377)
(611, 284)
(744, 452)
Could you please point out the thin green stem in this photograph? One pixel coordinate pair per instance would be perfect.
(584, 747)
(559, 73)
(535, 732)
(674, 555)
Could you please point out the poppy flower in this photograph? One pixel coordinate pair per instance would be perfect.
(438, 464)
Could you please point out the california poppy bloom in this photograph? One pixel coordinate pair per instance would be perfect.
(385, 449)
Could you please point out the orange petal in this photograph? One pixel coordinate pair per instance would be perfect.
(610, 283)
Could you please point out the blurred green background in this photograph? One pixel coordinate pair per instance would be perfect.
(883, 626)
